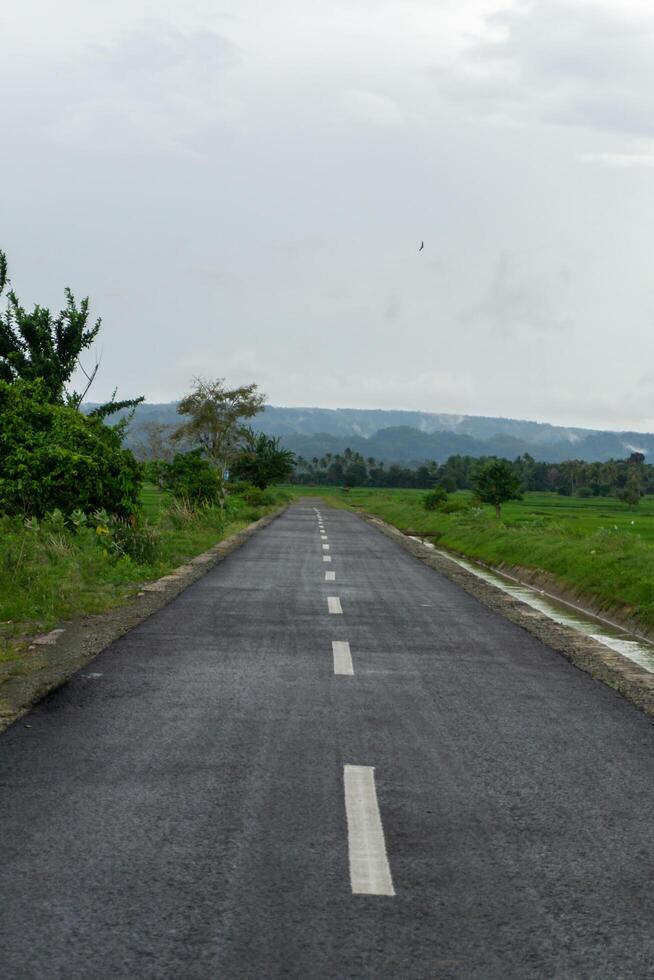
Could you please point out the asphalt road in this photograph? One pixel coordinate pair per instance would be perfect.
(201, 801)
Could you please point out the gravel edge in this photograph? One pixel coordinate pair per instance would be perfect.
(62, 652)
(627, 678)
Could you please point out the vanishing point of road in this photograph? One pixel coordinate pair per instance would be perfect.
(324, 760)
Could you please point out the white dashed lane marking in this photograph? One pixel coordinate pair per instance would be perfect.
(325, 547)
(326, 557)
(334, 605)
(370, 873)
(342, 658)
(330, 576)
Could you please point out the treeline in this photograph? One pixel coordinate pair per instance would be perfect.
(628, 478)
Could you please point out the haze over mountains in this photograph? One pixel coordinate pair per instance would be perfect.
(412, 437)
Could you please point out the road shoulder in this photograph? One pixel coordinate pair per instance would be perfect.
(59, 654)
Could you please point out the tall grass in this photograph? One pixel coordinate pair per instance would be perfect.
(54, 569)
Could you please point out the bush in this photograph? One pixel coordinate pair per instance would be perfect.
(54, 458)
(258, 498)
(583, 492)
(434, 498)
(455, 505)
(124, 539)
(191, 477)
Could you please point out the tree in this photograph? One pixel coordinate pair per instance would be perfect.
(156, 442)
(495, 482)
(261, 460)
(54, 457)
(191, 477)
(37, 345)
(630, 494)
(215, 419)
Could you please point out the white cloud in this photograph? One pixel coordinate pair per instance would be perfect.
(372, 108)
(620, 161)
(570, 62)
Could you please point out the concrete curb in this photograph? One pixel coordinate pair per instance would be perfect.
(627, 678)
(62, 652)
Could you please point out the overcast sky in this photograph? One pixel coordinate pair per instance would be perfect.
(241, 187)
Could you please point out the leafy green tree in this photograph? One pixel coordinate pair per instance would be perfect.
(495, 482)
(630, 493)
(54, 457)
(37, 345)
(356, 474)
(191, 477)
(216, 416)
(448, 484)
(262, 461)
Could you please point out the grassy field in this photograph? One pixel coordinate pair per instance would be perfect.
(50, 571)
(596, 547)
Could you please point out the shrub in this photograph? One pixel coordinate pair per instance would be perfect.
(455, 505)
(124, 539)
(192, 477)
(434, 498)
(583, 492)
(54, 458)
(258, 498)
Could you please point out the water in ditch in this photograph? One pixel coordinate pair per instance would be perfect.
(635, 648)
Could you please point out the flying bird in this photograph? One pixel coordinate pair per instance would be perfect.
(422, 245)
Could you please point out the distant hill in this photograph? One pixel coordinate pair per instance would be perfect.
(413, 437)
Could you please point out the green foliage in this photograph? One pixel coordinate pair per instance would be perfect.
(121, 538)
(630, 493)
(435, 498)
(495, 482)
(35, 345)
(592, 546)
(62, 565)
(448, 483)
(261, 461)
(601, 479)
(455, 504)
(215, 415)
(190, 476)
(52, 457)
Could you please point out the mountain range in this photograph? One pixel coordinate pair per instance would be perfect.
(412, 437)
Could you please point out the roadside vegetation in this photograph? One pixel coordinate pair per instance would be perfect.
(55, 568)
(83, 523)
(599, 548)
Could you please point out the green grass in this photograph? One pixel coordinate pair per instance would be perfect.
(50, 572)
(596, 547)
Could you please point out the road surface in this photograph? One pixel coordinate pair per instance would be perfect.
(324, 760)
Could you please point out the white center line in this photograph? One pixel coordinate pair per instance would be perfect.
(342, 658)
(330, 576)
(325, 547)
(334, 605)
(370, 873)
(326, 557)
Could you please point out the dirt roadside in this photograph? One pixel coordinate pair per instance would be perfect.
(57, 655)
